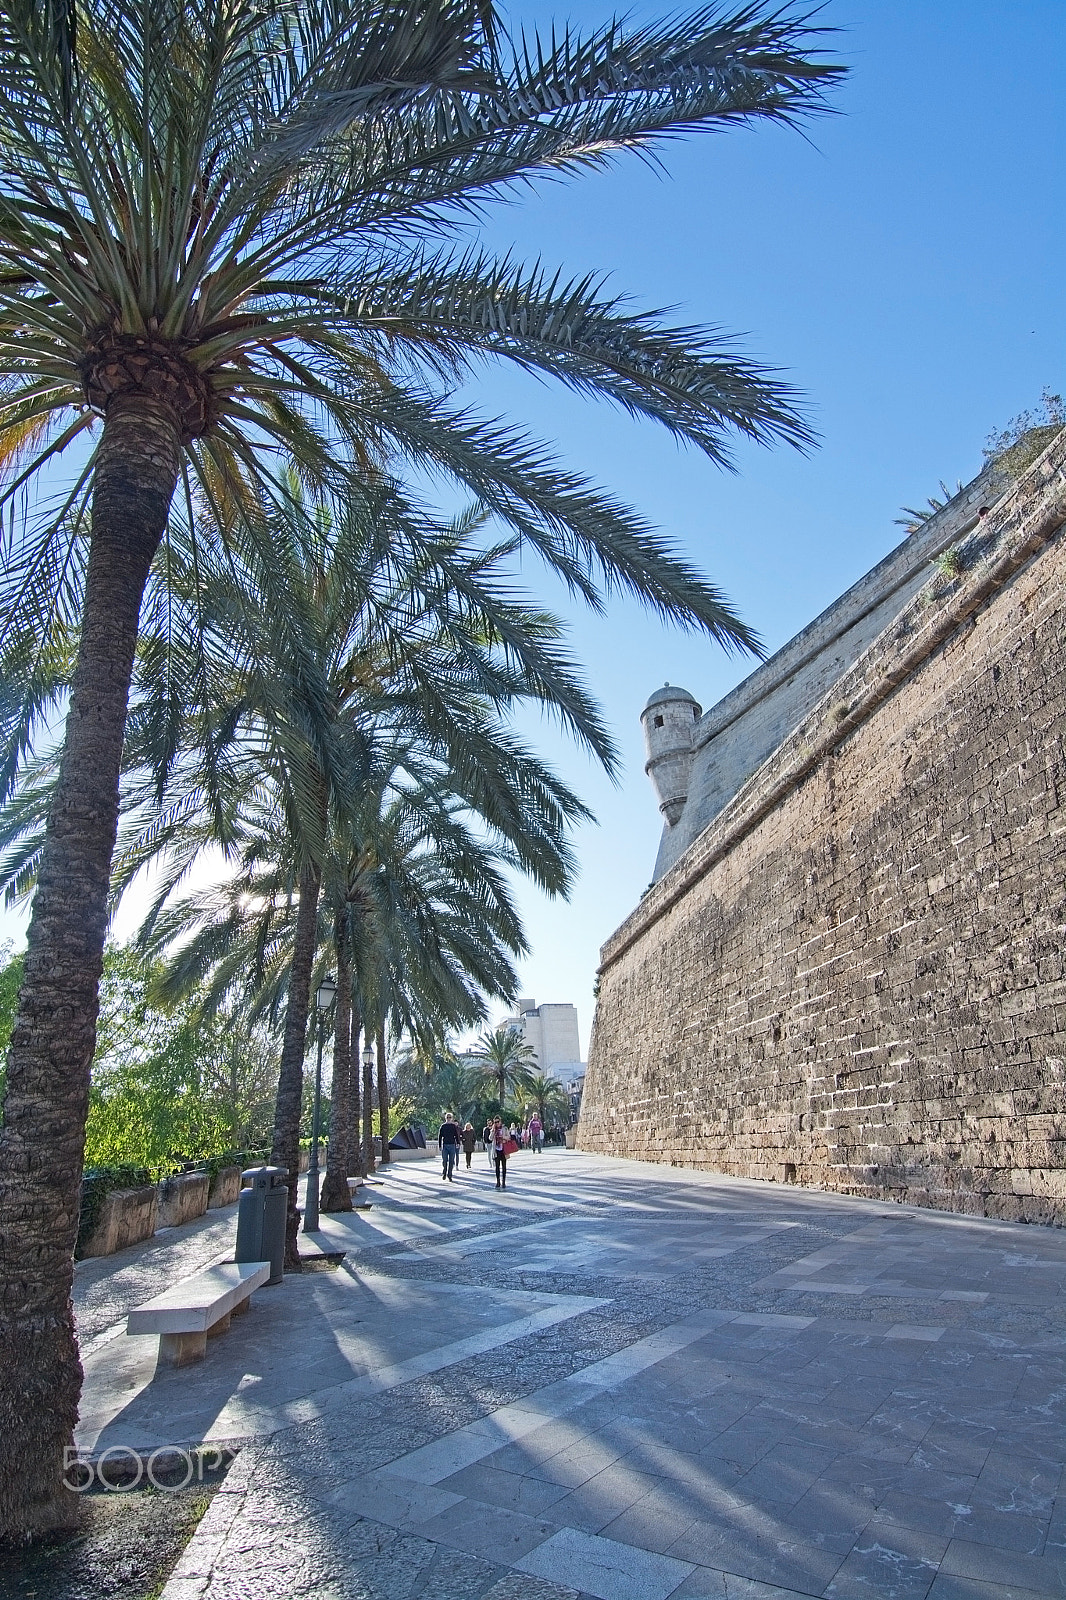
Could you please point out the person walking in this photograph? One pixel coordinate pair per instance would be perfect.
(469, 1141)
(536, 1134)
(449, 1140)
(498, 1145)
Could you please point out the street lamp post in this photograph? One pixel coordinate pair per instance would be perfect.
(327, 993)
(368, 1104)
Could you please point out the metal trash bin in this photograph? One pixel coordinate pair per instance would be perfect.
(261, 1214)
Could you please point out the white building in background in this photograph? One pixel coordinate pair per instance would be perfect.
(551, 1033)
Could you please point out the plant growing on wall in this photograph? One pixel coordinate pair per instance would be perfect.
(1027, 435)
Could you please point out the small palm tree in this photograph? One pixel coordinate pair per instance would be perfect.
(506, 1060)
(548, 1095)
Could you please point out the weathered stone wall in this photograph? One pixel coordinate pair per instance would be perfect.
(853, 978)
(225, 1188)
(182, 1199)
(126, 1217)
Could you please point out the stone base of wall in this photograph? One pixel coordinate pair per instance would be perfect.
(183, 1199)
(225, 1188)
(126, 1217)
(1037, 1195)
(855, 977)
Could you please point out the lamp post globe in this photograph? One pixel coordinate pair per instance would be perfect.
(327, 993)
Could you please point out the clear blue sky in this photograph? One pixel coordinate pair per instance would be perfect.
(903, 264)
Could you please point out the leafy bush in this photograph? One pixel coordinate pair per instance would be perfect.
(170, 1088)
(10, 979)
(1011, 451)
(215, 1164)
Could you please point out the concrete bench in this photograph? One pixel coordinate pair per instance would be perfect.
(184, 1316)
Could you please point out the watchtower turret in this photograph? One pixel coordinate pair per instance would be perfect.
(669, 721)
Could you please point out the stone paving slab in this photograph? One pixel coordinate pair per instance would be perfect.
(635, 1383)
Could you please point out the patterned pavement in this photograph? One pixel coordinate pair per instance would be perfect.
(628, 1383)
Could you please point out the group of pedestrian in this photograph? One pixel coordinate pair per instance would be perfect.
(499, 1141)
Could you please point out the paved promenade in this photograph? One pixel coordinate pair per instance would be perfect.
(628, 1383)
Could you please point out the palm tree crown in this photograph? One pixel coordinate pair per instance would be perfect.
(505, 1059)
(547, 1094)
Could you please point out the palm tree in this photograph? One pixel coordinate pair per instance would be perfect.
(547, 1094)
(506, 1059)
(276, 694)
(224, 252)
(435, 1080)
(335, 1194)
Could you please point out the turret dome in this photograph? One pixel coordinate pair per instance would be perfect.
(669, 691)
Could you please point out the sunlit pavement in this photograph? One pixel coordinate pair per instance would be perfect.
(627, 1382)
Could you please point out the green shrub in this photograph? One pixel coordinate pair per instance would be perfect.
(213, 1165)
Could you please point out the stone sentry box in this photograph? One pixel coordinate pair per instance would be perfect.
(669, 720)
(849, 971)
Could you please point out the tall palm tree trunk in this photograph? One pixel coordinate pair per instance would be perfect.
(354, 1142)
(51, 1051)
(383, 1099)
(285, 1150)
(336, 1196)
(368, 1106)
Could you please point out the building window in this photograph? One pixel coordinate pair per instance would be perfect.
(658, 722)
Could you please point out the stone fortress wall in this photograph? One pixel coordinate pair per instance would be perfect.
(849, 972)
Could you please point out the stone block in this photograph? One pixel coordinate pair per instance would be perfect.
(183, 1198)
(225, 1188)
(126, 1217)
